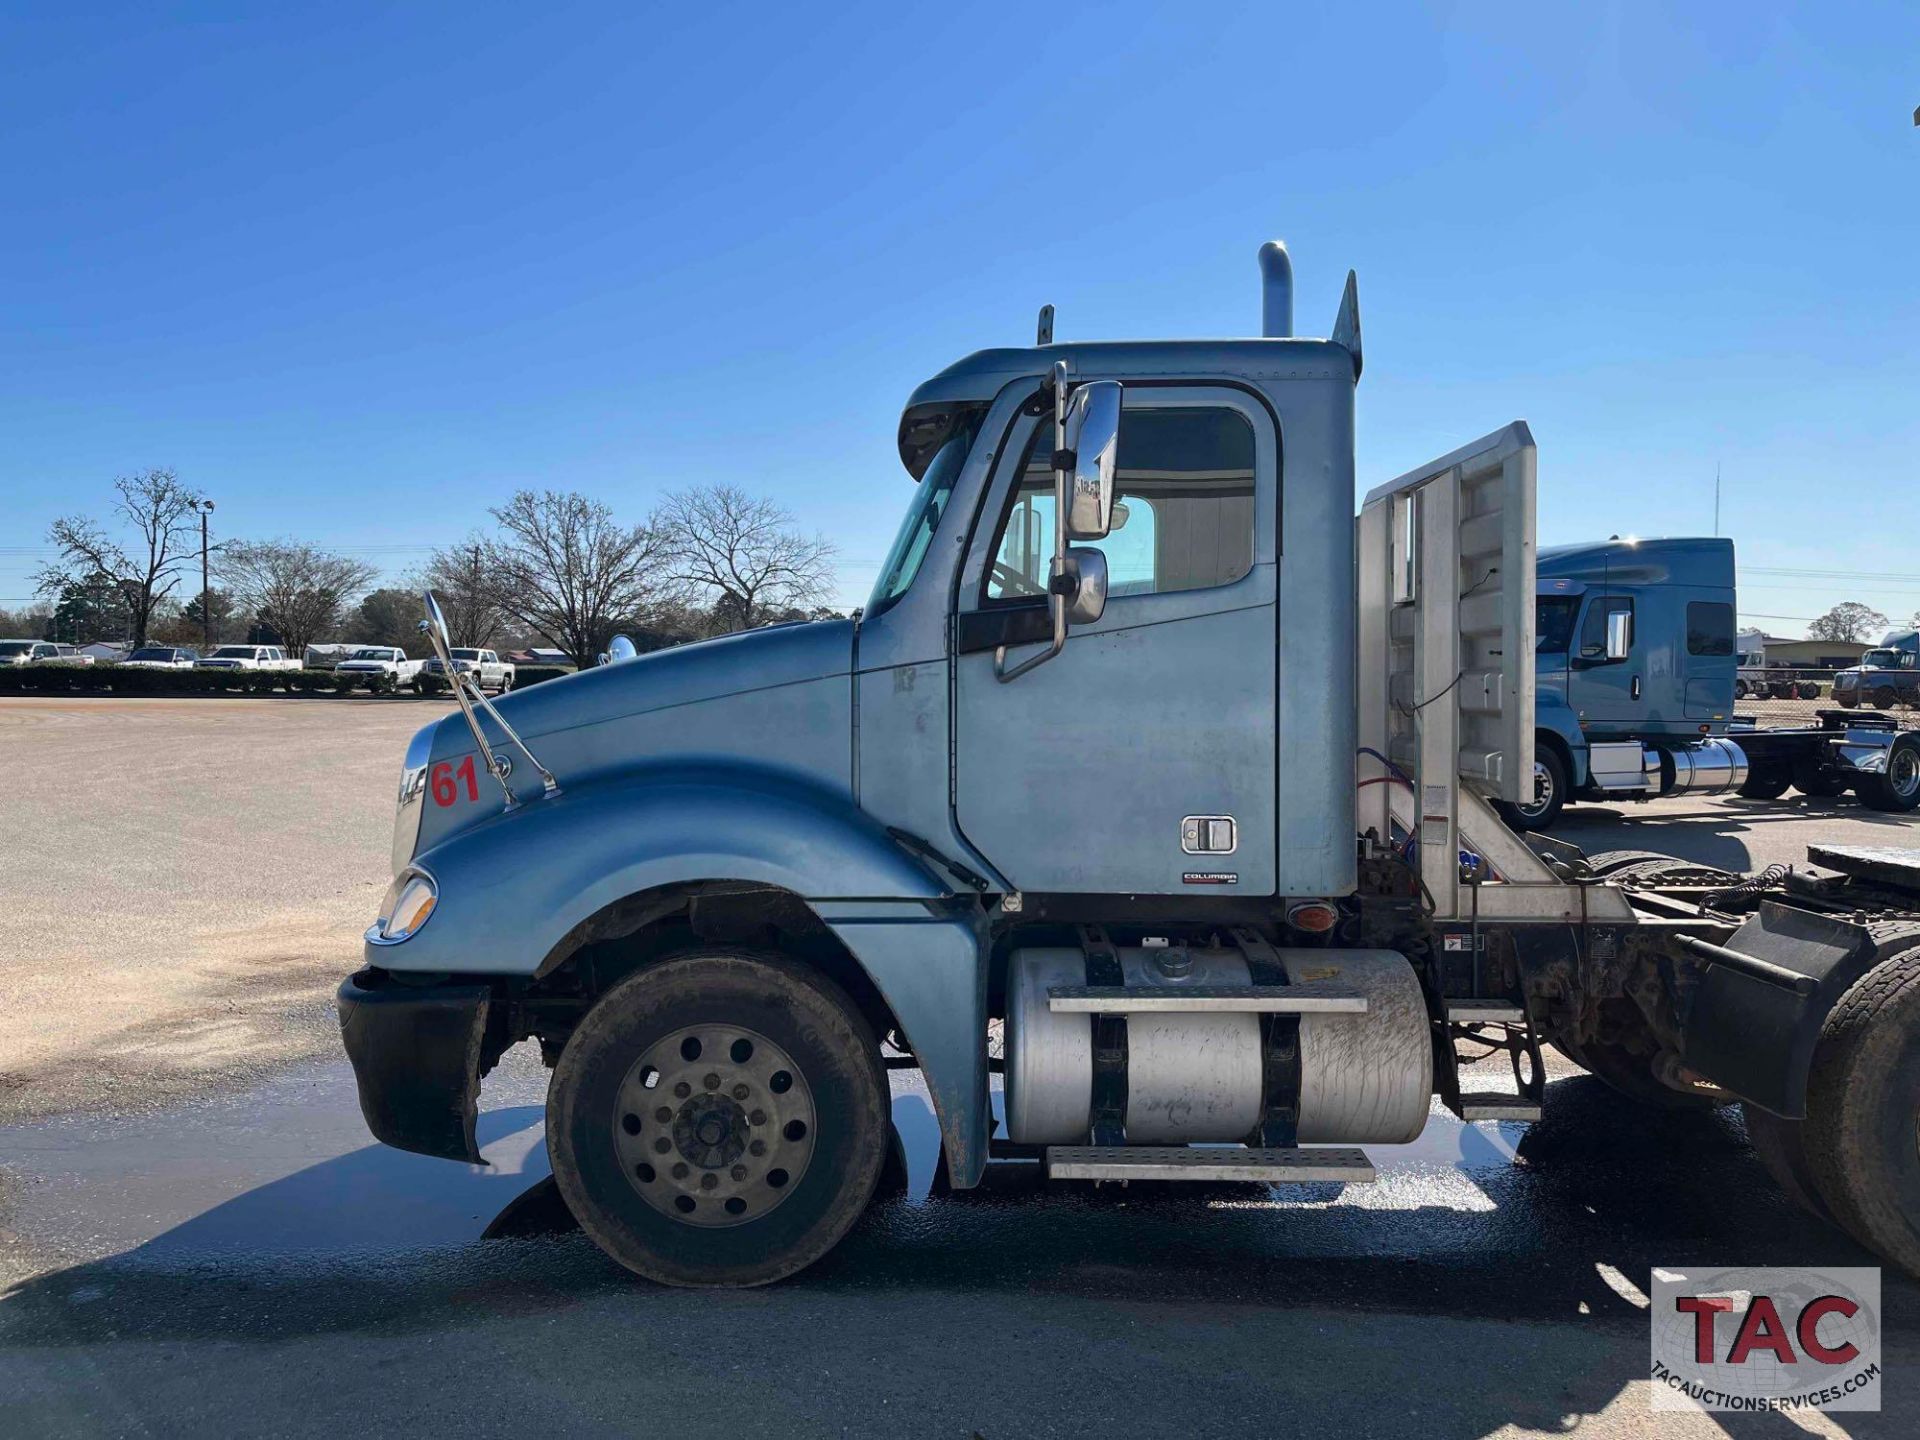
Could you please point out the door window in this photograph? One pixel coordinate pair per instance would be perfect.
(1593, 631)
(1183, 519)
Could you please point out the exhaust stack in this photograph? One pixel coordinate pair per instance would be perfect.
(1276, 291)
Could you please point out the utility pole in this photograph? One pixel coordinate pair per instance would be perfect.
(206, 595)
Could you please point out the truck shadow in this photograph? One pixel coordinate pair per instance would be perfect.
(1549, 1231)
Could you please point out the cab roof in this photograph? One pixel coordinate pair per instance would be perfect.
(1660, 560)
(976, 379)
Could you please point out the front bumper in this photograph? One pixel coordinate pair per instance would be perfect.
(416, 1054)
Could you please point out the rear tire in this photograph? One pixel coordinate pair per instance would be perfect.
(1862, 1109)
(1766, 784)
(713, 1041)
(1898, 789)
(1782, 1148)
(1811, 778)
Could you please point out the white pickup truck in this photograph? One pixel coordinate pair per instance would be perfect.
(388, 660)
(247, 657)
(485, 666)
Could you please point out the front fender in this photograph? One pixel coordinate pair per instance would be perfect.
(513, 887)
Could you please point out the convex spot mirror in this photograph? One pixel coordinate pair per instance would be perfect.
(1088, 567)
(1093, 435)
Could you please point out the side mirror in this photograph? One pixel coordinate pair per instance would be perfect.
(1093, 437)
(1619, 634)
(621, 649)
(1088, 567)
(434, 626)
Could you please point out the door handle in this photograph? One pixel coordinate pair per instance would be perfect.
(1636, 687)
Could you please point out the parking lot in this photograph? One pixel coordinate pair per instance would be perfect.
(186, 1187)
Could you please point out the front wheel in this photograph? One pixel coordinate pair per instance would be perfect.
(1549, 794)
(719, 1119)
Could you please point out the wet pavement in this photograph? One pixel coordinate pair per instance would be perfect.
(307, 1276)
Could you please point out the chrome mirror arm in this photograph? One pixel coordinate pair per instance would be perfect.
(495, 766)
(1057, 580)
(551, 785)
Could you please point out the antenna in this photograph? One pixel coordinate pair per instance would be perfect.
(1043, 332)
(1716, 499)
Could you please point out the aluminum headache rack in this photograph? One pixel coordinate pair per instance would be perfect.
(1445, 687)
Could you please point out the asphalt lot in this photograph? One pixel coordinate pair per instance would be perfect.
(197, 1236)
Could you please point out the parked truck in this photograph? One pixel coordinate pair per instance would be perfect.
(1149, 787)
(1886, 676)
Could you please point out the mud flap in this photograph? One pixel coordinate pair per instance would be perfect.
(1755, 1037)
(416, 1061)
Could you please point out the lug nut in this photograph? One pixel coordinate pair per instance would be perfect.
(740, 1092)
(680, 1170)
(664, 1115)
(709, 1180)
(758, 1117)
(739, 1172)
(758, 1147)
(683, 1090)
(712, 1082)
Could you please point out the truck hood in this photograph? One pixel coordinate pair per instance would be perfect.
(683, 675)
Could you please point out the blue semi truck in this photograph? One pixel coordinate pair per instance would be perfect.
(1635, 676)
(1134, 814)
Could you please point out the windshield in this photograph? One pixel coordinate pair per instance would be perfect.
(466, 654)
(1884, 659)
(233, 652)
(372, 654)
(151, 654)
(15, 647)
(1553, 622)
(929, 503)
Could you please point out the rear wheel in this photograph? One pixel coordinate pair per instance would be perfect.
(1896, 789)
(1862, 1131)
(1885, 697)
(1766, 782)
(719, 1119)
(1812, 778)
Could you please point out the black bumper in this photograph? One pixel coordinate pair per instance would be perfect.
(416, 1059)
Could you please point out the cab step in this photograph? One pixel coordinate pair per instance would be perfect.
(1292, 1166)
(1305, 999)
(1484, 1012)
(1495, 1106)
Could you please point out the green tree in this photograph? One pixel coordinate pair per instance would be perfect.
(389, 617)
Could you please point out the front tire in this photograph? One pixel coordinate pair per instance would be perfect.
(1549, 794)
(719, 1119)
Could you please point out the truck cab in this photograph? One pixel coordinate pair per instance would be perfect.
(1635, 655)
(1151, 789)
(1887, 675)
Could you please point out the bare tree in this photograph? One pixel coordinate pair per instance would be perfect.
(295, 589)
(744, 554)
(567, 571)
(161, 513)
(1849, 620)
(468, 594)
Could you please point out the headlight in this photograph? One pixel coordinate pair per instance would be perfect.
(409, 903)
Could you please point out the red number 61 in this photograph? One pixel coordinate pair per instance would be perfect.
(444, 778)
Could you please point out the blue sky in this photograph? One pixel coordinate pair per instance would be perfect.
(359, 273)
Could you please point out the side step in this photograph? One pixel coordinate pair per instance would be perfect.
(1174, 1162)
(1495, 1106)
(1198, 999)
(1484, 1012)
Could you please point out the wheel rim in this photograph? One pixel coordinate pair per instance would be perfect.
(1542, 792)
(1903, 771)
(714, 1125)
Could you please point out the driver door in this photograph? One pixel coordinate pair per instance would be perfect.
(1109, 769)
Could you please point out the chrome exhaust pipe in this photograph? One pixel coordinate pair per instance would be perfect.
(1276, 291)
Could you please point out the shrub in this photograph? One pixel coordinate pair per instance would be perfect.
(526, 675)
